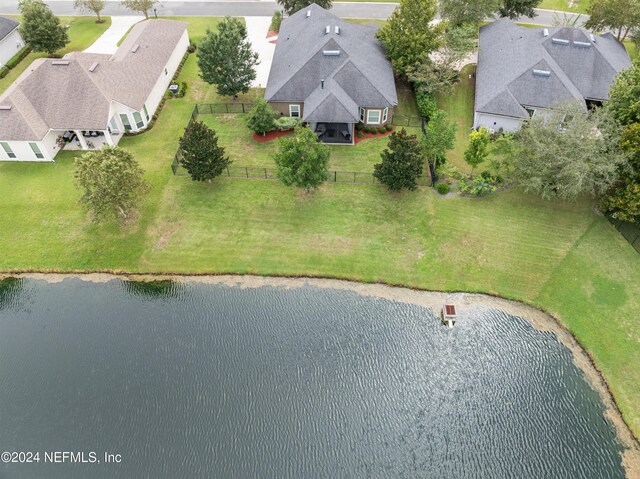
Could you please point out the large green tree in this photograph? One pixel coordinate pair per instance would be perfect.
(261, 117)
(478, 149)
(200, 153)
(461, 12)
(624, 202)
(624, 96)
(621, 16)
(111, 182)
(225, 58)
(139, 6)
(302, 160)
(409, 36)
(40, 28)
(402, 162)
(95, 6)
(568, 153)
(292, 6)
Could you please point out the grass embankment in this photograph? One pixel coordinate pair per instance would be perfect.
(82, 31)
(561, 257)
(577, 6)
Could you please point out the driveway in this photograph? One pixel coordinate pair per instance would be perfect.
(257, 28)
(108, 41)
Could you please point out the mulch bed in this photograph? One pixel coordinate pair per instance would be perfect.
(272, 135)
(371, 135)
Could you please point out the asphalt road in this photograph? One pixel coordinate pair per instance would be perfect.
(255, 8)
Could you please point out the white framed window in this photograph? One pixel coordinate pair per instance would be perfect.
(362, 112)
(294, 111)
(146, 113)
(373, 117)
(125, 121)
(385, 115)
(7, 149)
(137, 117)
(36, 150)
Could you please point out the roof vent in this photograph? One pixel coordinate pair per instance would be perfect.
(5, 107)
(542, 73)
(135, 48)
(308, 13)
(337, 30)
(327, 29)
(60, 62)
(331, 53)
(560, 41)
(93, 67)
(322, 84)
(582, 44)
(593, 38)
(545, 32)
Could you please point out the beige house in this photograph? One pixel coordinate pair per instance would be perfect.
(87, 100)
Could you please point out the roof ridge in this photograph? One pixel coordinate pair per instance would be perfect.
(363, 76)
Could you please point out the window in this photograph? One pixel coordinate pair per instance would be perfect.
(362, 114)
(146, 113)
(7, 149)
(373, 117)
(294, 111)
(113, 126)
(36, 150)
(137, 117)
(125, 121)
(385, 115)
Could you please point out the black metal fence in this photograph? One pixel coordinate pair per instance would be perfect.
(408, 121)
(259, 173)
(629, 231)
(253, 172)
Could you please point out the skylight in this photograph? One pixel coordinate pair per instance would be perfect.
(560, 41)
(542, 73)
(331, 53)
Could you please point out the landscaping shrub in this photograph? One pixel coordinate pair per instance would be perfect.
(478, 186)
(499, 179)
(388, 127)
(427, 104)
(17, 58)
(443, 188)
(285, 123)
(382, 130)
(360, 133)
(368, 129)
(276, 20)
(486, 175)
(3, 72)
(192, 48)
(359, 126)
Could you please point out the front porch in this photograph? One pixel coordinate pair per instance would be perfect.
(89, 140)
(334, 133)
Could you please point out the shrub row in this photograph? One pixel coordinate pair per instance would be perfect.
(13, 62)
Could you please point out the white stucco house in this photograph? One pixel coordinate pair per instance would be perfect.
(90, 99)
(523, 72)
(10, 40)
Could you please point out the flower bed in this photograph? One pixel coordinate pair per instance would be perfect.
(366, 136)
(272, 135)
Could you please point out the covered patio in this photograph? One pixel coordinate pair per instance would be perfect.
(89, 140)
(334, 133)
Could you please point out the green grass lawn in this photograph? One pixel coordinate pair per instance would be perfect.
(577, 6)
(83, 31)
(561, 257)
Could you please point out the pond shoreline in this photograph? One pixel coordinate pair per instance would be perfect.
(466, 301)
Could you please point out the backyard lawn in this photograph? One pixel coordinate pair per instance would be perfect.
(82, 31)
(561, 257)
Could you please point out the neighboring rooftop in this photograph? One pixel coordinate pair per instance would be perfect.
(543, 67)
(7, 25)
(76, 92)
(332, 65)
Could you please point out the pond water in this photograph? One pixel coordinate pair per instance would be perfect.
(194, 380)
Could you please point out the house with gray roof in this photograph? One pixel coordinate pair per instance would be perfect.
(86, 100)
(10, 40)
(526, 71)
(331, 74)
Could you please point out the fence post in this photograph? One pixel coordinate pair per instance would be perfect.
(335, 176)
(246, 169)
(228, 172)
(243, 107)
(265, 170)
(354, 176)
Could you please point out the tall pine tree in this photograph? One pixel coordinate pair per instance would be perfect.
(200, 153)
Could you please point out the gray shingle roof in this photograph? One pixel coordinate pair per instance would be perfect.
(50, 96)
(360, 75)
(509, 54)
(7, 25)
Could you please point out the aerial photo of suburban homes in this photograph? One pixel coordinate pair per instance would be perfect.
(330, 239)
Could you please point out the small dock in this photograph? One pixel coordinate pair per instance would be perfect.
(449, 314)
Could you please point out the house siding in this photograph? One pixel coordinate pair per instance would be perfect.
(382, 123)
(495, 122)
(282, 108)
(10, 46)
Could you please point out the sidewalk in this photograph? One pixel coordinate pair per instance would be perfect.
(257, 28)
